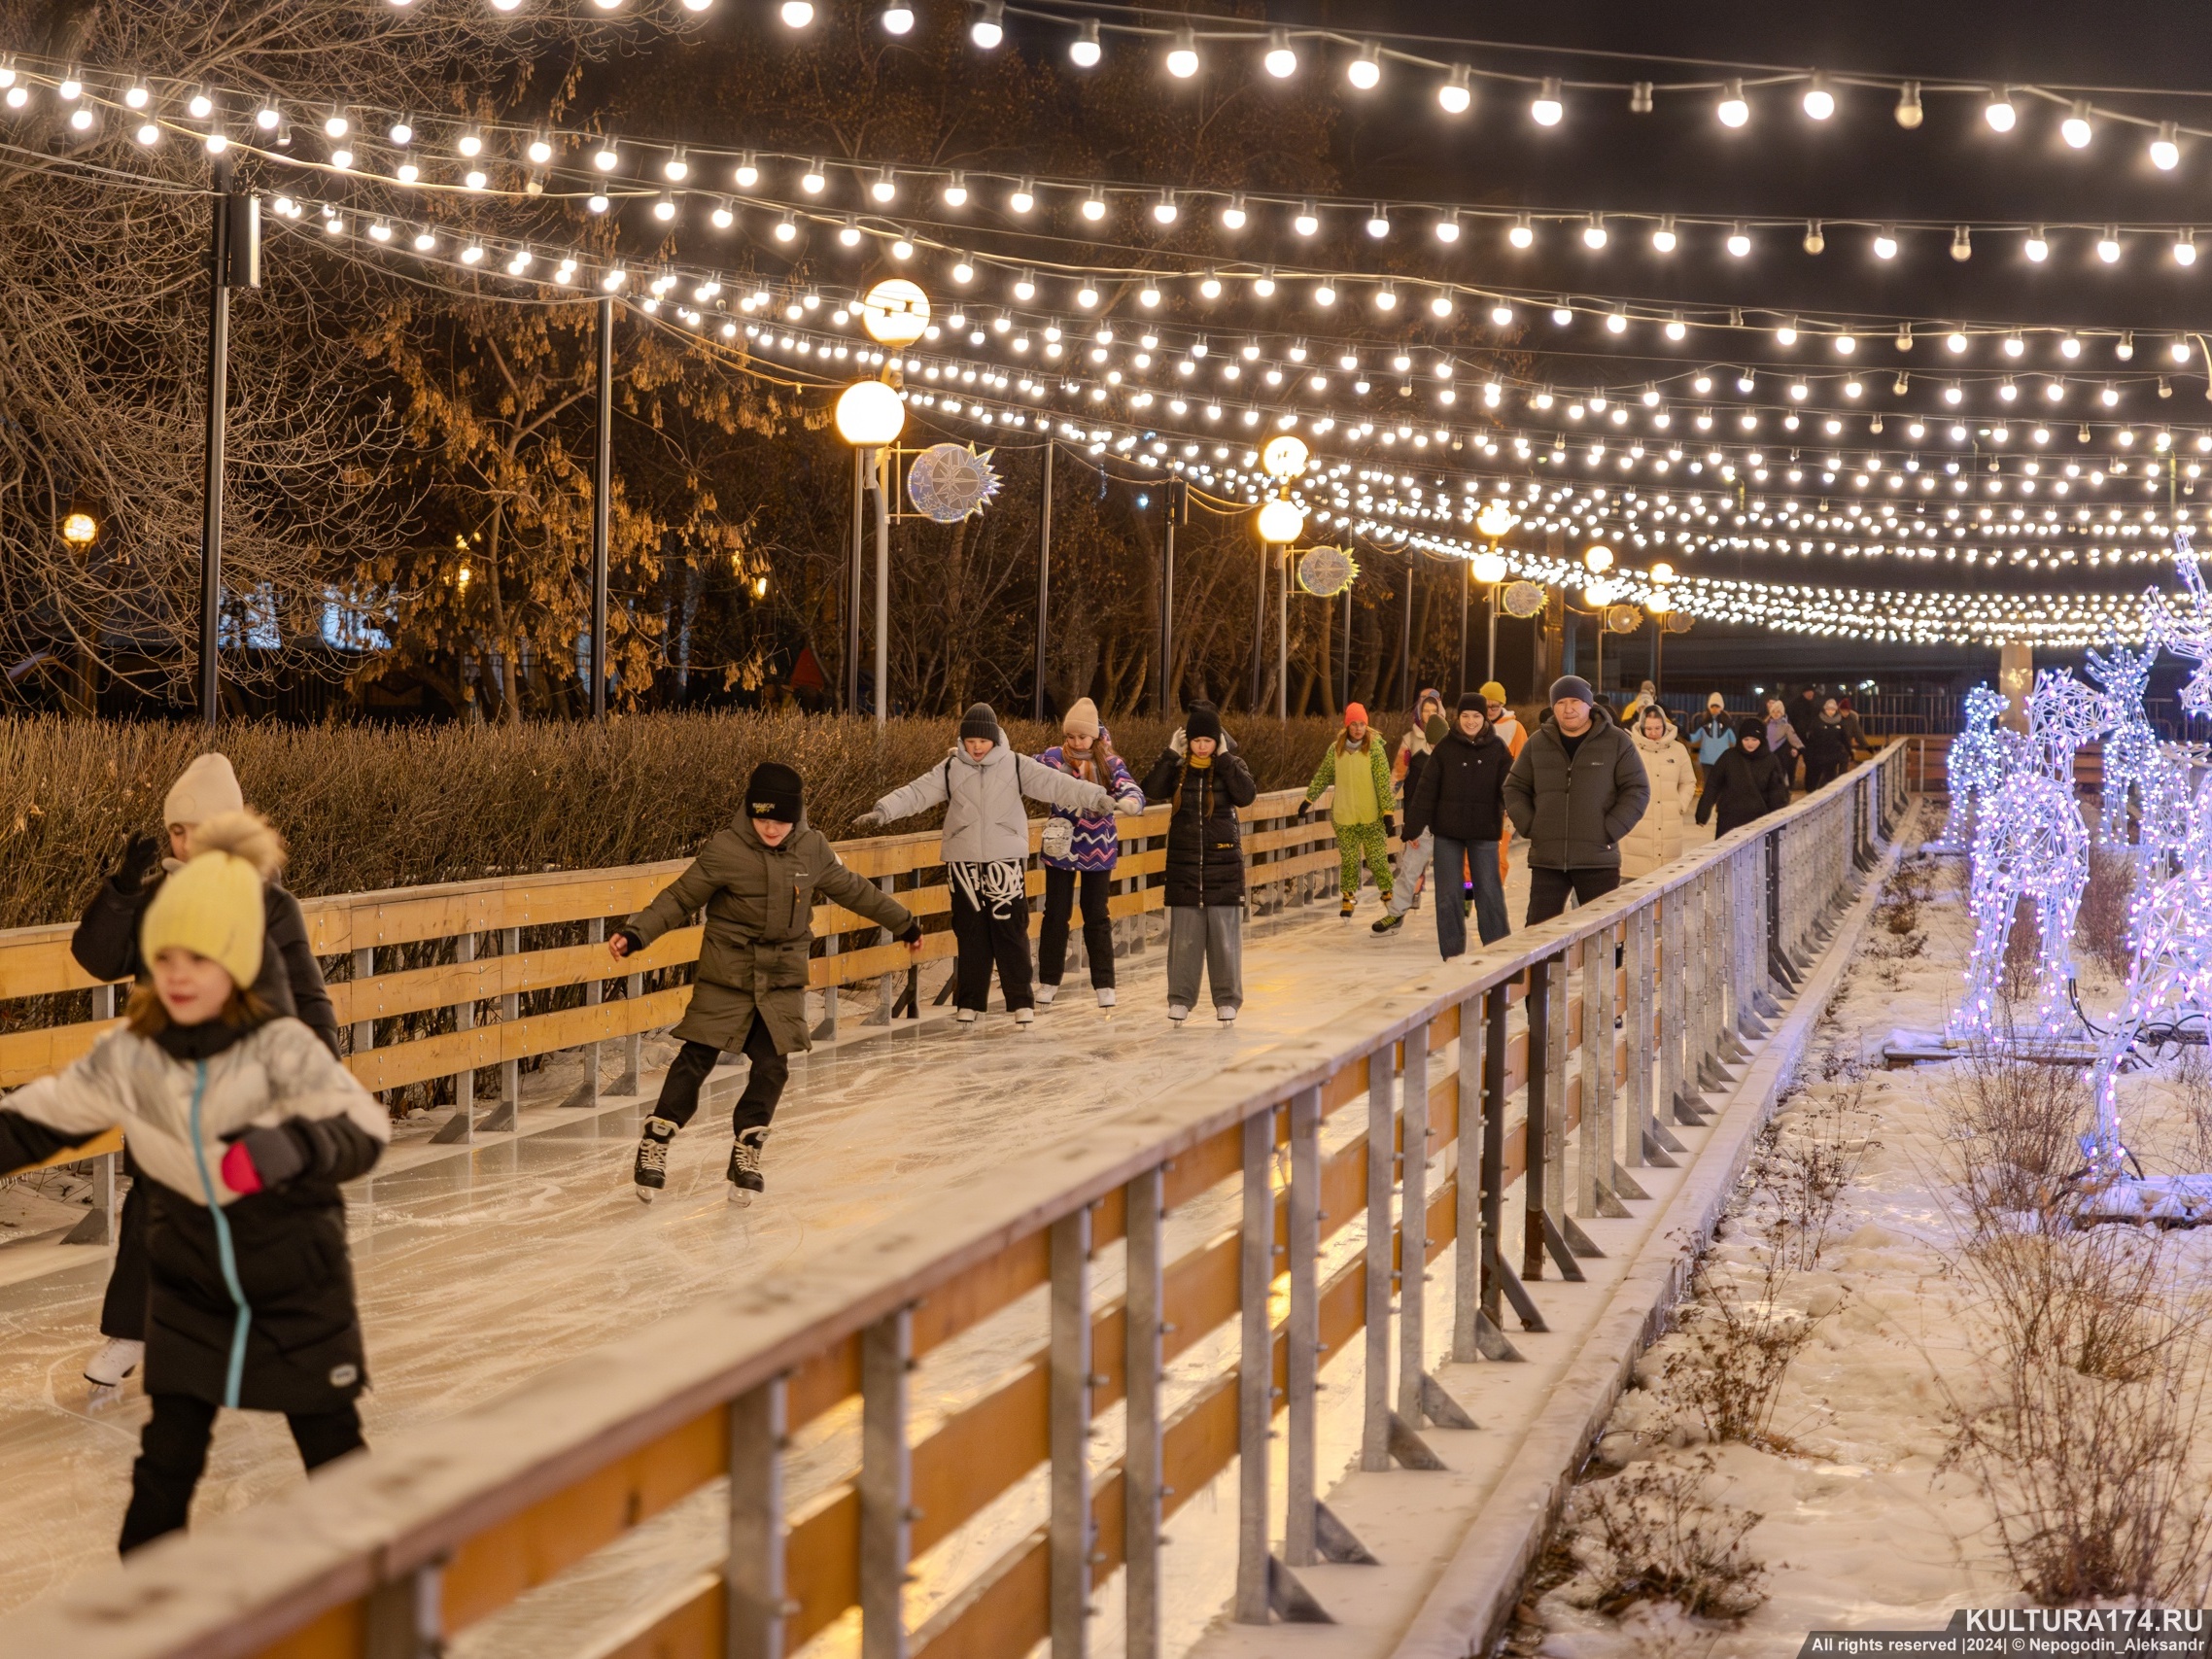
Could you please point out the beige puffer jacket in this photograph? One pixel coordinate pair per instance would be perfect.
(1657, 838)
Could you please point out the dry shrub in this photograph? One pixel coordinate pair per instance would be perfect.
(2014, 1126)
(1660, 1535)
(368, 806)
(2101, 928)
(2192, 1079)
(1737, 1349)
(1817, 1152)
(2022, 962)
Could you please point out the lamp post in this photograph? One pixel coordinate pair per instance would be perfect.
(1280, 522)
(870, 416)
(1658, 607)
(1491, 571)
(1598, 559)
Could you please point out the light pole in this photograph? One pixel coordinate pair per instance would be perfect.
(1598, 559)
(1280, 522)
(1491, 571)
(1659, 607)
(870, 416)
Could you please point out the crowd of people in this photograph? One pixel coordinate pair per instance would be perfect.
(232, 1283)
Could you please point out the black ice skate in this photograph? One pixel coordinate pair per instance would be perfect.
(651, 1172)
(743, 1173)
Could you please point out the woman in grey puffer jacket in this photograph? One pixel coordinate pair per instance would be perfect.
(982, 785)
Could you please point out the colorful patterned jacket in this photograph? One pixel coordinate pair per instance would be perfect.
(1095, 846)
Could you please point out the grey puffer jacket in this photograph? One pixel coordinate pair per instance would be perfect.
(985, 819)
(1576, 822)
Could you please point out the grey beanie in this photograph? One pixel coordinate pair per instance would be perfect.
(1572, 685)
(980, 722)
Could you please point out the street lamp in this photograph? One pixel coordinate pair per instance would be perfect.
(1491, 571)
(80, 529)
(870, 416)
(895, 312)
(1281, 522)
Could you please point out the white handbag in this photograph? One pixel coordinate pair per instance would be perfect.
(1059, 838)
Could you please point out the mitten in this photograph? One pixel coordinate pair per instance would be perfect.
(140, 855)
(912, 934)
(871, 819)
(262, 1158)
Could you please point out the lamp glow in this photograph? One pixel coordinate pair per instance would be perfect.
(870, 414)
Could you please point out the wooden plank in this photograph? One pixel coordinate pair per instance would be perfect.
(981, 1290)
(1006, 1615)
(692, 1631)
(821, 1565)
(35, 961)
(337, 1633)
(26, 1055)
(417, 989)
(825, 1380)
(515, 1039)
(978, 1453)
(533, 1547)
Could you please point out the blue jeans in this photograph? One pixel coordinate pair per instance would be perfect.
(1448, 874)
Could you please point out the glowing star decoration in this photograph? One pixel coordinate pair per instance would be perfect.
(2131, 760)
(1976, 763)
(1326, 572)
(948, 482)
(2030, 847)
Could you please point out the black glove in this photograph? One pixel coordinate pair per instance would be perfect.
(262, 1158)
(1390, 825)
(912, 934)
(140, 854)
(1305, 808)
(636, 940)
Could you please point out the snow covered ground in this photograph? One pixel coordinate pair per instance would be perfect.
(1850, 1506)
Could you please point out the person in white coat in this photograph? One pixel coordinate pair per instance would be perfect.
(1657, 837)
(982, 785)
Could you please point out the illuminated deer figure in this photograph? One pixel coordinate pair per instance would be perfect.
(2030, 843)
(2131, 759)
(1975, 763)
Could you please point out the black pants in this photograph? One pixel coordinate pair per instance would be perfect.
(764, 1084)
(1820, 772)
(173, 1451)
(999, 935)
(122, 1310)
(1060, 888)
(1548, 890)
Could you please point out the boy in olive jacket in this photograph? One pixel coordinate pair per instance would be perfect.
(758, 881)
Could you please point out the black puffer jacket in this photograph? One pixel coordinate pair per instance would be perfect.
(290, 982)
(1575, 816)
(1461, 792)
(1205, 843)
(1742, 788)
(1828, 743)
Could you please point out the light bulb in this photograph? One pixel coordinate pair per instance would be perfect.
(1909, 105)
(989, 29)
(1378, 223)
(1233, 216)
(786, 229)
(1280, 60)
(2075, 130)
(1733, 109)
(1449, 228)
(955, 191)
(1501, 314)
(402, 133)
(1562, 315)
(2070, 347)
(1787, 335)
(677, 167)
(1440, 306)
(1309, 222)
(1594, 232)
(148, 134)
(1094, 207)
(2185, 248)
(1547, 109)
(2108, 245)
(964, 272)
(540, 150)
(266, 118)
(1164, 210)
(1366, 70)
(137, 97)
(1183, 55)
(797, 14)
(747, 172)
(1664, 240)
(898, 19)
(1523, 234)
(847, 233)
(1325, 294)
(1677, 330)
(1738, 244)
(471, 144)
(606, 157)
(1816, 239)
(1025, 196)
(2178, 351)
(201, 106)
(1961, 244)
(724, 216)
(2166, 150)
(1999, 113)
(1616, 321)
(2125, 350)
(335, 125)
(1954, 341)
(664, 209)
(1886, 244)
(2037, 247)
(1025, 287)
(813, 180)
(1820, 102)
(1455, 95)
(1085, 52)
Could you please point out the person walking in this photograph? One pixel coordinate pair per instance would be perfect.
(757, 881)
(1204, 781)
(1574, 791)
(1783, 741)
(106, 945)
(1459, 800)
(1413, 851)
(1712, 737)
(1080, 851)
(1657, 837)
(982, 785)
(1353, 765)
(244, 1126)
(1828, 751)
(1502, 720)
(1745, 783)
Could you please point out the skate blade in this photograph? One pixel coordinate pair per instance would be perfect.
(645, 1195)
(741, 1197)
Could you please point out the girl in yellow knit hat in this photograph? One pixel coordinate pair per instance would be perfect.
(242, 1124)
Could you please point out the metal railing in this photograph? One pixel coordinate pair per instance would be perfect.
(389, 1556)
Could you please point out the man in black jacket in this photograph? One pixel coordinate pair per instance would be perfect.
(1577, 787)
(1459, 798)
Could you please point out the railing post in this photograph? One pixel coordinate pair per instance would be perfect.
(1375, 1432)
(1538, 1007)
(886, 1485)
(1471, 1240)
(1590, 1143)
(753, 1576)
(406, 1616)
(1302, 1337)
(1413, 1229)
(595, 991)
(1495, 1001)
(1636, 1026)
(1141, 1377)
(464, 1019)
(364, 1029)
(1255, 1366)
(1673, 980)
(633, 1046)
(1070, 1434)
(1556, 1035)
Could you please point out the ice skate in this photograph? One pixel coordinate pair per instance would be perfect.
(966, 1015)
(1024, 1017)
(1226, 1016)
(1350, 904)
(1389, 924)
(743, 1173)
(1105, 997)
(117, 1358)
(1046, 993)
(651, 1172)
(1178, 1012)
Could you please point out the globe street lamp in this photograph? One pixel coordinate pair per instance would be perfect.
(1281, 522)
(1490, 569)
(870, 416)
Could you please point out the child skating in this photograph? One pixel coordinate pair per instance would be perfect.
(1355, 767)
(758, 882)
(1204, 782)
(982, 784)
(242, 1124)
(1080, 851)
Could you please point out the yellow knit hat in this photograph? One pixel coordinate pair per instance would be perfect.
(214, 906)
(1492, 692)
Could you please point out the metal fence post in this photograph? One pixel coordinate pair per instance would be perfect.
(1556, 1036)
(1374, 1430)
(1141, 1376)
(1538, 1007)
(594, 991)
(1470, 1235)
(1413, 1229)
(886, 1485)
(633, 1045)
(1303, 1336)
(1254, 1367)
(1070, 1434)
(753, 1577)
(365, 1028)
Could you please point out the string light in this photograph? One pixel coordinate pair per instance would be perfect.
(1547, 108)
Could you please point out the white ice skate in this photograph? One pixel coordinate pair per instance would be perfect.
(1024, 1017)
(115, 1361)
(652, 1170)
(966, 1015)
(1178, 1012)
(1046, 993)
(1226, 1016)
(1105, 997)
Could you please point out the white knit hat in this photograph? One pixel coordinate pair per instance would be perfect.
(206, 788)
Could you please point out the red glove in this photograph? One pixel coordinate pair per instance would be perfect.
(262, 1158)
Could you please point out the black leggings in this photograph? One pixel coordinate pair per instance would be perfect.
(1060, 889)
(764, 1086)
(173, 1451)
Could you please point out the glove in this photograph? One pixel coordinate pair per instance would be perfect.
(1390, 825)
(263, 1159)
(633, 940)
(1305, 808)
(140, 854)
(1179, 743)
(912, 934)
(871, 819)
(1130, 806)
